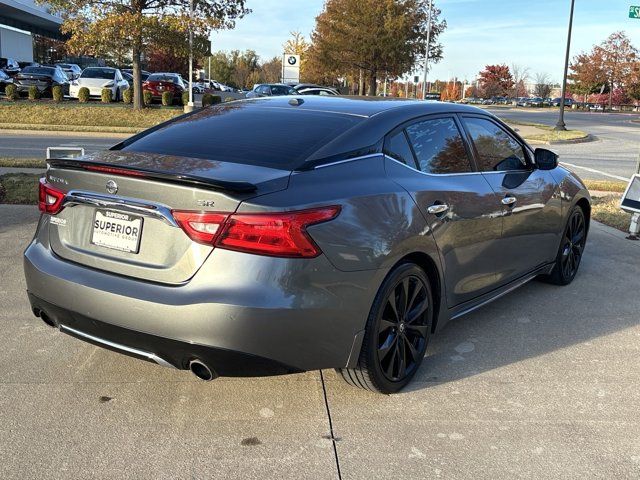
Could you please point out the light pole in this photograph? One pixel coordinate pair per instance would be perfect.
(561, 125)
(190, 104)
(426, 54)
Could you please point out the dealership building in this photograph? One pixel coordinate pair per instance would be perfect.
(28, 32)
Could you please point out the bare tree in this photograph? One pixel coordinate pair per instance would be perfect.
(543, 85)
(520, 76)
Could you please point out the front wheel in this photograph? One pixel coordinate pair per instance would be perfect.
(397, 332)
(571, 249)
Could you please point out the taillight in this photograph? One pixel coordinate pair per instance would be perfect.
(281, 234)
(49, 198)
(200, 227)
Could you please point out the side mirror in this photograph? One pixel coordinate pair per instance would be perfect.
(545, 159)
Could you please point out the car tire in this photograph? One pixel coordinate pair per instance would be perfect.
(571, 249)
(397, 332)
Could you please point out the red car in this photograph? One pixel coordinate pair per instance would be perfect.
(158, 83)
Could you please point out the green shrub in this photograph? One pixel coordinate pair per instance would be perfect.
(229, 99)
(34, 93)
(11, 92)
(57, 94)
(185, 97)
(167, 99)
(127, 95)
(83, 95)
(147, 97)
(105, 95)
(208, 99)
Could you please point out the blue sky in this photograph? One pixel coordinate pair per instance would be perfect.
(530, 33)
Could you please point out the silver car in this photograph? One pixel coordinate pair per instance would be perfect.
(278, 235)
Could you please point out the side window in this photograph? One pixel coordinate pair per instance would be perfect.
(264, 90)
(397, 147)
(497, 150)
(439, 146)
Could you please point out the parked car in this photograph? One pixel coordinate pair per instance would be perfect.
(568, 102)
(10, 66)
(97, 78)
(270, 90)
(534, 102)
(195, 246)
(320, 91)
(72, 70)
(488, 101)
(44, 78)
(158, 83)
(4, 81)
(522, 101)
(143, 73)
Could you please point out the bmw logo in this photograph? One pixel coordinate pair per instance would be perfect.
(112, 187)
(291, 60)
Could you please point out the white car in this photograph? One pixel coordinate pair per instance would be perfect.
(97, 78)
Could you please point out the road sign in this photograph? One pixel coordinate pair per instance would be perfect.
(290, 68)
(634, 11)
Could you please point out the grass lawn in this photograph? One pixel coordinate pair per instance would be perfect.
(606, 185)
(18, 162)
(607, 210)
(67, 116)
(19, 188)
(549, 134)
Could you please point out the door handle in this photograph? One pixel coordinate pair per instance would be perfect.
(509, 200)
(438, 208)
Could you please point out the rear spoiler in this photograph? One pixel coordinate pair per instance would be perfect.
(167, 177)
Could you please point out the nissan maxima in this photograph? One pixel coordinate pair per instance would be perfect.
(286, 234)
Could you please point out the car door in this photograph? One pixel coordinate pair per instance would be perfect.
(431, 160)
(531, 198)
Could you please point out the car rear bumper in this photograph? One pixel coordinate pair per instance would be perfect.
(253, 315)
(163, 351)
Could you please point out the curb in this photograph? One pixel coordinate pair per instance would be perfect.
(587, 138)
(64, 133)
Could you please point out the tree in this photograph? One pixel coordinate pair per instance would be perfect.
(272, 70)
(375, 37)
(98, 26)
(495, 80)
(452, 91)
(520, 76)
(222, 68)
(244, 65)
(543, 85)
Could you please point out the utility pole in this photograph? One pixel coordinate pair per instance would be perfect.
(561, 125)
(190, 104)
(426, 53)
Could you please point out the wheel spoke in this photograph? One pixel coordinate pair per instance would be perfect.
(388, 346)
(418, 311)
(402, 355)
(386, 324)
(417, 289)
(420, 330)
(392, 304)
(412, 350)
(404, 297)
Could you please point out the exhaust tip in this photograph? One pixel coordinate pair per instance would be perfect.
(46, 318)
(202, 371)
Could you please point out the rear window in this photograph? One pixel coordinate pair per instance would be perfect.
(39, 70)
(102, 73)
(243, 133)
(159, 77)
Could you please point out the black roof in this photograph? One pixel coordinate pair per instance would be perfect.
(360, 106)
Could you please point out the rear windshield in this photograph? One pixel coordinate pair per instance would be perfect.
(160, 77)
(39, 70)
(248, 134)
(103, 73)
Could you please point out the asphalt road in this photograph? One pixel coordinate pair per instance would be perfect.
(34, 144)
(616, 148)
(543, 383)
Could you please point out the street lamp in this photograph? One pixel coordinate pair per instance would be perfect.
(190, 104)
(426, 55)
(561, 125)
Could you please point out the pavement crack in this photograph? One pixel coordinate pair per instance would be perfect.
(333, 438)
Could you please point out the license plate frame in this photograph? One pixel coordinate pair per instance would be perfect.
(114, 238)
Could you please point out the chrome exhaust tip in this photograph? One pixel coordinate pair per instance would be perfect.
(202, 371)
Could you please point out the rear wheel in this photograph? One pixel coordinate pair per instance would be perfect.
(571, 248)
(397, 332)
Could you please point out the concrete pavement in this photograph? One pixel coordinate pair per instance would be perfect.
(543, 383)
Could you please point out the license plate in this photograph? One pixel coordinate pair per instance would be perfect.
(117, 230)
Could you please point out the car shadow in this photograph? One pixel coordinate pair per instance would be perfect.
(539, 318)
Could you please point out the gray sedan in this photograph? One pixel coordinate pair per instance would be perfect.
(340, 233)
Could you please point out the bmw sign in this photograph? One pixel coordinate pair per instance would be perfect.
(290, 68)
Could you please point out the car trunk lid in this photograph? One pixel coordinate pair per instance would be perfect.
(117, 210)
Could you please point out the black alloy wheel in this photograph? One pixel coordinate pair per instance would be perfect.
(397, 332)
